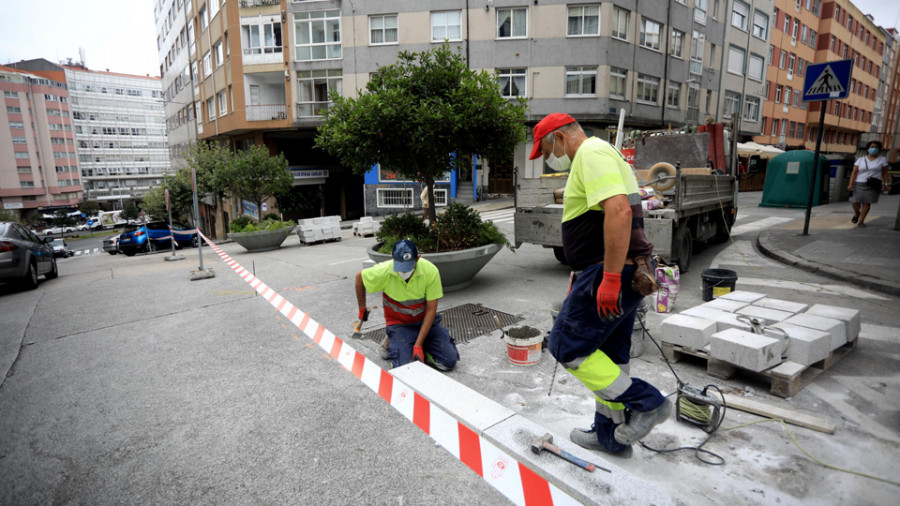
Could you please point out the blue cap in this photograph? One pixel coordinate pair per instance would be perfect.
(405, 255)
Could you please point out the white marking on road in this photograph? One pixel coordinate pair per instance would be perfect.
(810, 287)
(867, 392)
(742, 253)
(880, 333)
(351, 260)
(764, 223)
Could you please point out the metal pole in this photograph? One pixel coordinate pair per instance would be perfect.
(197, 215)
(171, 232)
(812, 184)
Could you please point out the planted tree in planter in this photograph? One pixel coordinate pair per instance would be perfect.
(254, 174)
(458, 227)
(416, 113)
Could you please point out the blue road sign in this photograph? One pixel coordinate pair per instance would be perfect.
(90, 222)
(827, 81)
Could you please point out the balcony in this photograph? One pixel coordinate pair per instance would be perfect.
(257, 3)
(266, 112)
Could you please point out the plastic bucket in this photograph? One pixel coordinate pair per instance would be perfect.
(717, 282)
(523, 345)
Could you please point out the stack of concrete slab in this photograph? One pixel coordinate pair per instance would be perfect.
(784, 330)
(366, 226)
(325, 228)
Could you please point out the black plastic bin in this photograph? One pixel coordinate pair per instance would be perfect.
(717, 282)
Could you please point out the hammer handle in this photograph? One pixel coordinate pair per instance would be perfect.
(571, 458)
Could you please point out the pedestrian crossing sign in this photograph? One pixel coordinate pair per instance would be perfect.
(827, 81)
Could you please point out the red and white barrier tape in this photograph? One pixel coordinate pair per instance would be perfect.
(513, 479)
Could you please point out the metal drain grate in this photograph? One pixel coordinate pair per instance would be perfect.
(464, 323)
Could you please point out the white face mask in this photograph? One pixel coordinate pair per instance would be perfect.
(560, 164)
(406, 274)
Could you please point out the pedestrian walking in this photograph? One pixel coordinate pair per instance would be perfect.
(604, 242)
(870, 173)
(411, 287)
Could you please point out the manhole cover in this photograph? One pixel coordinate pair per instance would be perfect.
(464, 323)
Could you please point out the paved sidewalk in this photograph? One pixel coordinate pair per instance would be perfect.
(837, 248)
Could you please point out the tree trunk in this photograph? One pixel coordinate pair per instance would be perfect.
(432, 214)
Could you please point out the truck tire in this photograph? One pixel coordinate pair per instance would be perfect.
(723, 230)
(662, 169)
(685, 244)
(560, 254)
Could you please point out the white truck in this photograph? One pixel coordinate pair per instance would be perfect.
(109, 219)
(698, 207)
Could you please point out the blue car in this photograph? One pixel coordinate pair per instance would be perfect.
(153, 236)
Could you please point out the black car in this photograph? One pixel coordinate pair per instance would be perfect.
(24, 256)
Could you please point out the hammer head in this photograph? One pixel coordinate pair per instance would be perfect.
(538, 444)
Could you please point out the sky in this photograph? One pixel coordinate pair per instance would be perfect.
(120, 35)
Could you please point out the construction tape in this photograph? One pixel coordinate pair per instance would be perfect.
(512, 478)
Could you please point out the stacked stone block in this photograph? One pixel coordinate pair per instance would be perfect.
(325, 228)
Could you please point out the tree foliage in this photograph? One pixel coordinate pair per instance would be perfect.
(130, 211)
(416, 113)
(90, 207)
(254, 174)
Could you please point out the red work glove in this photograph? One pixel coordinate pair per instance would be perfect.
(363, 314)
(609, 296)
(418, 354)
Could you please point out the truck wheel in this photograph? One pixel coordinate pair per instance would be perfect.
(685, 247)
(560, 254)
(723, 229)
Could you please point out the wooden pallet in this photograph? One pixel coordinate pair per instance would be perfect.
(783, 381)
(320, 241)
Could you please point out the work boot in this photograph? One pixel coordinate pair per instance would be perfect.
(641, 423)
(434, 363)
(588, 439)
(384, 348)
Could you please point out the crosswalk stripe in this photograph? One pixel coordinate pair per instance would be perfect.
(810, 287)
(760, 224)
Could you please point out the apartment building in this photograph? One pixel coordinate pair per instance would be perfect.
(38, 165)
(175, 42)
(891, 137)
(795, 36)
(846, 33)
(747, 34)
(119, 127)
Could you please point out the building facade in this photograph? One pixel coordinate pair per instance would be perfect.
(38, 163)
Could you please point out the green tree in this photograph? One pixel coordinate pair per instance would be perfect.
(207, 159)
(416, 113)
(254, 174)
(62, 219)
(90, 208)
(129, 211)
(180, 199)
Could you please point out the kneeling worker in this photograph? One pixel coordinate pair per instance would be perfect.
(411, 287)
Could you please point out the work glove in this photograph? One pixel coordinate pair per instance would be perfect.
(609, 297)
(418, 354)
(363, 314)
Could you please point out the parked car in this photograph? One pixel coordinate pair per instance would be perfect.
(58, 230)
(24, 256)
(185, 236)
(84, 226)
(60, 248)
(111, 244)
(145, 238)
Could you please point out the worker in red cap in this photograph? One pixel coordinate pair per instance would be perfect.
(604, 243)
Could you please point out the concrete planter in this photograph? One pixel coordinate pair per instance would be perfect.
(457, 268)
(263, 240)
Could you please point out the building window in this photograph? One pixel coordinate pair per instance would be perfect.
(446, 26)
(204, 20)
(12, 109)
(617, 78)
(673, 95)
(781, 59)
(207, 65)
(223, 103)
(755, 69)
(512, 23)
(796, 102)
(760, 25)
(693, 96)
(10, 94)
(22, 155)
(792, 59)
(394, 197)
(812, 38)
(650, 34)
(739, 14)
(581, 81)
(620, 23)
(677, 43)
(583, 20)
(697, 46)
(751, 109)
(19, 140)
(732, 104)
(261, 38)
(700, 8)
(383, 29)
(736, 57)
(800, 130)
(210, 109)
(314, 87)
(217, 50)
(647, 89)
(511, 82)
(787, 95)
(317, 35)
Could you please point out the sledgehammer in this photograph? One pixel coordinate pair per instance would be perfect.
(546, 443)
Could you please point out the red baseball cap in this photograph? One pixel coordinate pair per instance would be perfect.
(550, 123)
